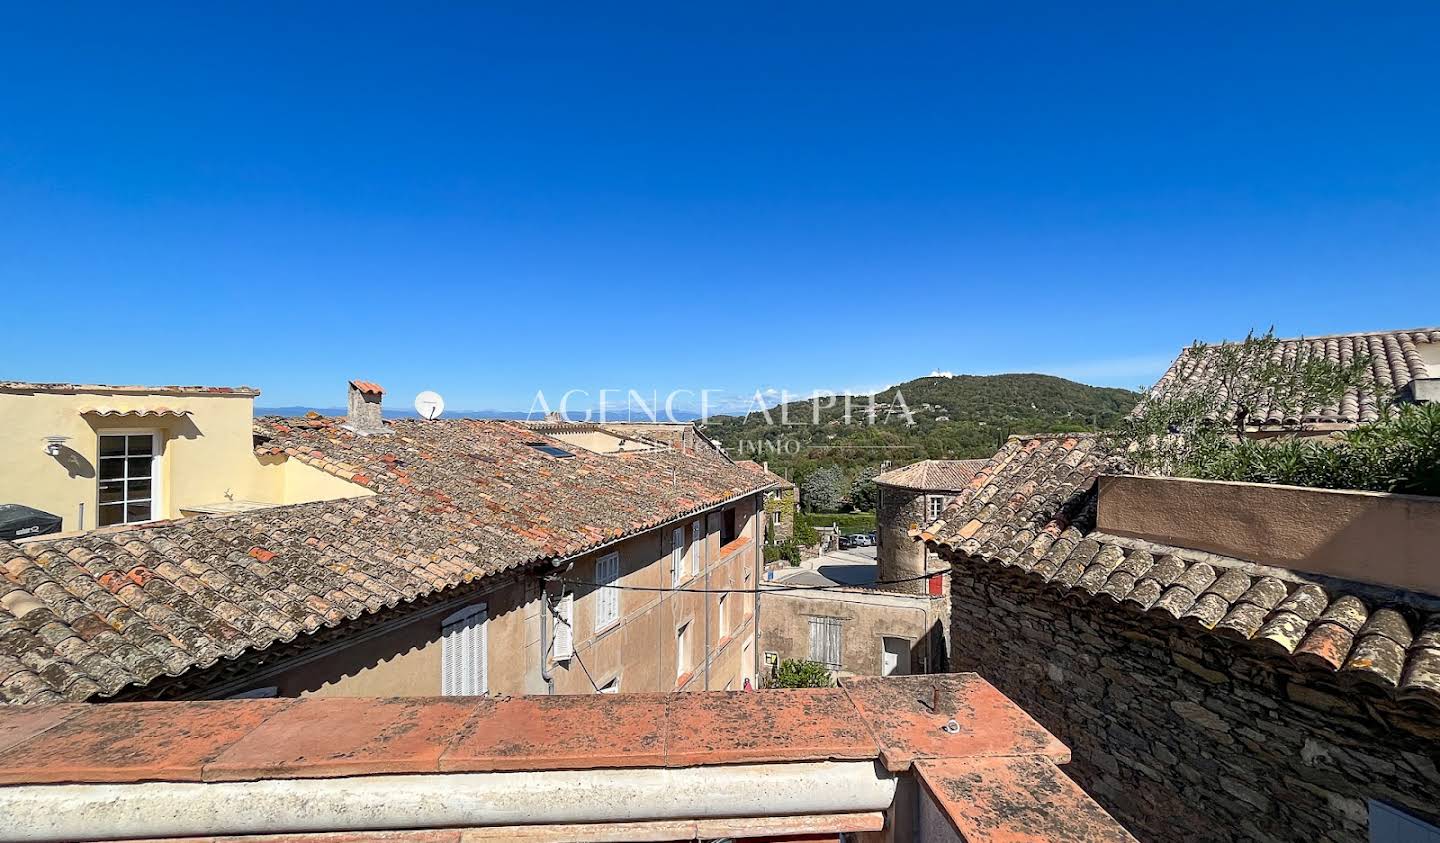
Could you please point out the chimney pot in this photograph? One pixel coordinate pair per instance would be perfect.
(364, 407)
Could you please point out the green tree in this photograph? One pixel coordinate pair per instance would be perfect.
(797, 673)
(805, 535)
(824, 489)
(863, 495)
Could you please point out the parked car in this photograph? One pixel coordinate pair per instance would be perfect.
(847, 542)
(874, 539)
(858, 540)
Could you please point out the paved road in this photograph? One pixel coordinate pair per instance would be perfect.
(838, 567)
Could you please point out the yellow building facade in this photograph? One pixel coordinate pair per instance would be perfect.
(98, 456)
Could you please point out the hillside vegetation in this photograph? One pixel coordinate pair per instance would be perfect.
(962, 417)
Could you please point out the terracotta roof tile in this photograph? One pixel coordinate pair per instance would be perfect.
(1395, 360)
(1050, 504)
(456, 501)
(933, 475)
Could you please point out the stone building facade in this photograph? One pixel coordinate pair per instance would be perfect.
(1190, 737)
(910, 497)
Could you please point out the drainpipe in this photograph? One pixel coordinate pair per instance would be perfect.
(561, 567)
(755, 655)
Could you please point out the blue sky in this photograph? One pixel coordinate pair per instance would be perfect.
(493, 201)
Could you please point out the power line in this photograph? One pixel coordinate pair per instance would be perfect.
(576, 652)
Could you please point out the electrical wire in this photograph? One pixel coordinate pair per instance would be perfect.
(591, 679)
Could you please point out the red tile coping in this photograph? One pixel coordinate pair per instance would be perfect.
(1025, 799)
(906, 712)
(316, 738)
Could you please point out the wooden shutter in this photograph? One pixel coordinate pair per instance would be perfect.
(825, 642)
(564, 647)
(464, 653)
(698, 555)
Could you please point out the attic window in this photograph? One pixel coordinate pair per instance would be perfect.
(558, 453)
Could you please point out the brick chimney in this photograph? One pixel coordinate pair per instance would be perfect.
(363, 415)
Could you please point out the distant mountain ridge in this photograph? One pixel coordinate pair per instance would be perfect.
(954, 417)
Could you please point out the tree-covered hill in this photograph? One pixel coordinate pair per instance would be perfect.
(961, 417)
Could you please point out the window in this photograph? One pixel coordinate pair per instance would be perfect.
(825, 642)
(551, 450)
(607, 597)
(682, 650)
(728, 530)
(724, 627)
(677, 556)
(934, 505)
(1391, 825)
(464, 656)
(697, 547)
(127, 478)
(562, 647)
(775, 518)
(611, 687)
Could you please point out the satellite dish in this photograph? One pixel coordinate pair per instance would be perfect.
(429, 405)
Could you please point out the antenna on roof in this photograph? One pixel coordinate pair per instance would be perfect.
(429, 405)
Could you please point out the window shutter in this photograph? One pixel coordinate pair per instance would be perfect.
(464, 653)
(564, 646)
(825, 645)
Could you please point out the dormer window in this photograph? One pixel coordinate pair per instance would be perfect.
(128, 490)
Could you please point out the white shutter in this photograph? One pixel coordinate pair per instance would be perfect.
(564, 647)
(697, 547)
(464, 653)
(607, 598)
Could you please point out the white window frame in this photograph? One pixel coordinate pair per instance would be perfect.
(934, 505)
(775, 518)
(677, 556)
(723, 625)
(607, 597)
(697, 546)
(465, 652)
(157, 485)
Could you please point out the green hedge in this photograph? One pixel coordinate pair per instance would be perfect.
(1399, 453)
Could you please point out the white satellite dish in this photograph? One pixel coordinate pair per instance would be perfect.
(429, 405)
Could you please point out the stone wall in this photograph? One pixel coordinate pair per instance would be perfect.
(1186, 736)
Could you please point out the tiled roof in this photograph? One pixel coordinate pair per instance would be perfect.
(994, 773)
(368, 387)
(1031, 514)
(23, 386)
(1395, 360)
(933, 475)
(764, 471)
(93, 614)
